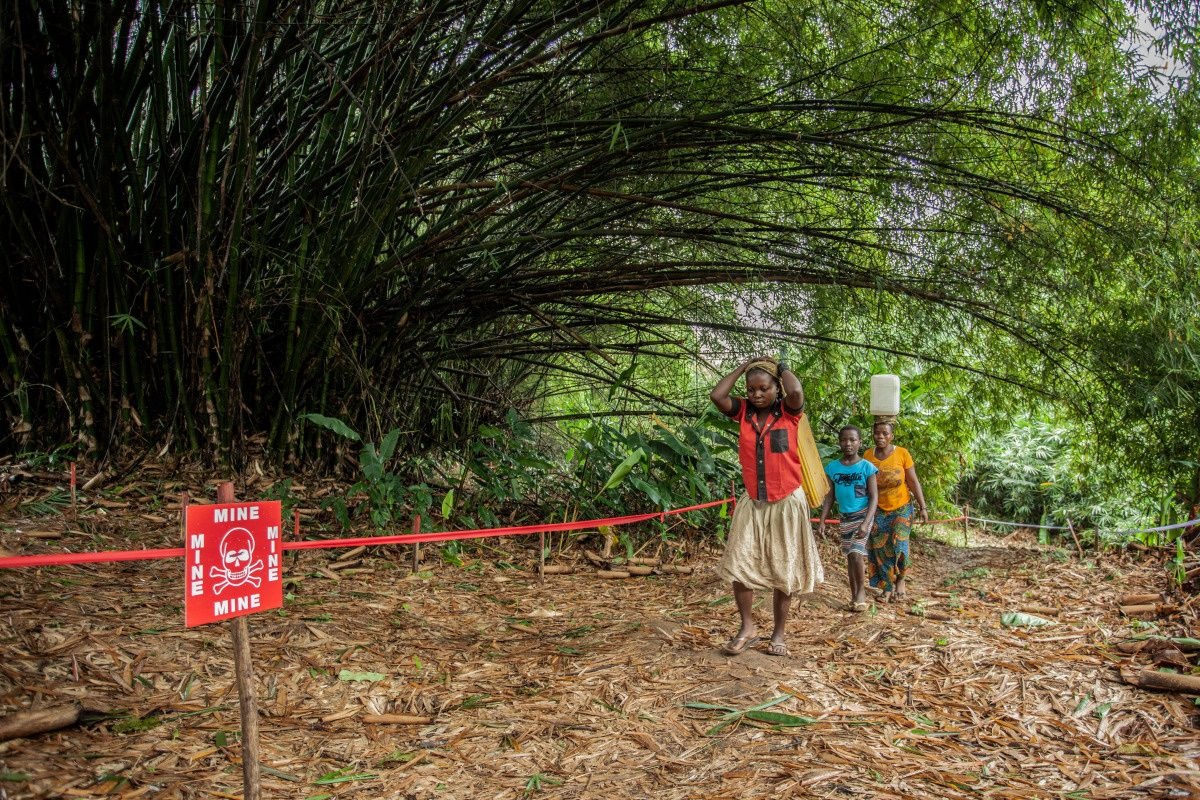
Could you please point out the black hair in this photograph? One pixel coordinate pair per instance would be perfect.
(891, 426)
(854, 428)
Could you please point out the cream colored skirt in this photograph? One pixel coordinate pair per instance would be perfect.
(771, 546)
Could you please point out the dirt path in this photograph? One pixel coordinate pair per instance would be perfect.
(576, 689)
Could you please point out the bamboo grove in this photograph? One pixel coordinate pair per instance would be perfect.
(220, 216)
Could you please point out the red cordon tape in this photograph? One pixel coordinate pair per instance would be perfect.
(56, 559)
(112, 556)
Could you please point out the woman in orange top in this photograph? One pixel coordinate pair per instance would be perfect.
(887, 549)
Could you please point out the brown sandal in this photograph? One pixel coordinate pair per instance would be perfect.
(777, 649)
(738, 645)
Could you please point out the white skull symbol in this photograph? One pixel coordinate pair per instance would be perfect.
(237, 551)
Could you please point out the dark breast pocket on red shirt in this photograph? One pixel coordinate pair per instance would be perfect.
(779, 441)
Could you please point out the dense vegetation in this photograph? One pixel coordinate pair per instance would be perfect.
(439, 223)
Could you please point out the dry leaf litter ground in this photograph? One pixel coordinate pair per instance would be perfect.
(577, 688)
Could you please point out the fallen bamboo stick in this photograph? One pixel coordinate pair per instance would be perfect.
(42, 534)
(1169, 681)
(1138, 610)
(396, 719)
(353, 553)
(645, 562)
(1186, 644)
(672, 569)
(42, 720)
(1041, 611)
(1137, 599)
(557, 569)
(611, 573)
(637, 569)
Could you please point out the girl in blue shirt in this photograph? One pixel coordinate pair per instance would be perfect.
(853, 481)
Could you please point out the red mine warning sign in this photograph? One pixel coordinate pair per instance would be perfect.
(233, 561)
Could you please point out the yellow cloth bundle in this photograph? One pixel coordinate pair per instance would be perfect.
(816, 484)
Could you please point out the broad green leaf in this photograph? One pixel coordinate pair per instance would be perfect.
(388, 446)
(779, 718)
(351, 675)
(332, 424)
(623, 469)
(343, 776)
(708, 706)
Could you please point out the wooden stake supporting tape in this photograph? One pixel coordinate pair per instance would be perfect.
(1078, 546)
(243, 668)
(416, 553)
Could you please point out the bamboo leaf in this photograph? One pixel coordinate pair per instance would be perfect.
(779, 718)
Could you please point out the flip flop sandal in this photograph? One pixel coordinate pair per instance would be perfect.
(738, 645)
(777, 649)
(859, 608)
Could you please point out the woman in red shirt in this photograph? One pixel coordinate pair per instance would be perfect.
(770, 543)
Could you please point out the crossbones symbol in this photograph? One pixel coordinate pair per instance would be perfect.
(237, 568)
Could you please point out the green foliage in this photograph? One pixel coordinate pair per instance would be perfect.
(494, 193)
(51, 504)
(757, 713)
(387, 497)
(539, 781)
(1043, 473)
(136, 724)
(662, 466)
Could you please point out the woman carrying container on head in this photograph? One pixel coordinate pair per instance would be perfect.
(770, 544)
(887, 548)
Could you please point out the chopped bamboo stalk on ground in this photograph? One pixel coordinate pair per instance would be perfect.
(42, 720)
(1149, 609)
(396, 719)
(1169, 681)
(1139, 599)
